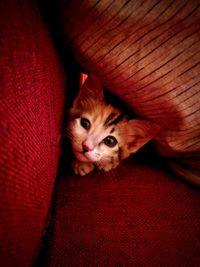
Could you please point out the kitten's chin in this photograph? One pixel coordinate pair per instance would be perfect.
(82, 157)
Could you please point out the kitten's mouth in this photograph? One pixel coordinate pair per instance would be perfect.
(82, 156)
(85, 157)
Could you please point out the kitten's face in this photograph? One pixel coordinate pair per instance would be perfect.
(95, 132)
(99, 133)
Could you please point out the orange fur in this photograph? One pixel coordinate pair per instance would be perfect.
(101, 136)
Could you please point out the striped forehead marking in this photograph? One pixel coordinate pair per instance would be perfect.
(116, 120)
(109, 119)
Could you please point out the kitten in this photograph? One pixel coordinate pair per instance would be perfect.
(101, 136)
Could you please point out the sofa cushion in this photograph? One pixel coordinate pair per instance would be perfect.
(147, 53)
(31, 105)
(135, 215)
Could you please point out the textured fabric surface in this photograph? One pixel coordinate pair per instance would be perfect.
(147, 53)
(136, 215)
(31, 106)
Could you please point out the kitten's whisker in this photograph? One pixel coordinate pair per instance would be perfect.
(110, 174)
(107, 174)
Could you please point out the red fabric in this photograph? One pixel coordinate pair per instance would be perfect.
(136, 215)
(31, 106)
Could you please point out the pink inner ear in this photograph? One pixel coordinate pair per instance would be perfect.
(90, 88)
(83, 78)
(142, 132)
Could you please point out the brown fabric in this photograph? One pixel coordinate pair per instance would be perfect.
(147, 53)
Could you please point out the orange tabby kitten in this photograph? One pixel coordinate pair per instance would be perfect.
(101, 136)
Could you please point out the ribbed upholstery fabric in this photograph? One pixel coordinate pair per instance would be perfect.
(32, 88)
(147, 53)
(137, 215)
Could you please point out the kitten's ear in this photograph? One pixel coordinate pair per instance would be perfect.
(91, 88)
(140, 132)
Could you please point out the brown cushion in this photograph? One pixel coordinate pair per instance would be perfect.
(147, 53)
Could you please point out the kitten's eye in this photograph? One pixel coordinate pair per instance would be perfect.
(110, 141)
(85, 123)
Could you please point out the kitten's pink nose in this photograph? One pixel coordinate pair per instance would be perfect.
(87, 146)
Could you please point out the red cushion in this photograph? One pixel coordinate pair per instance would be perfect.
(31, 106)
(147, 53)
(136, 215)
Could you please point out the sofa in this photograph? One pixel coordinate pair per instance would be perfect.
(146, 211)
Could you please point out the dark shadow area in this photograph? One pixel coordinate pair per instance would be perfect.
(50, 13)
